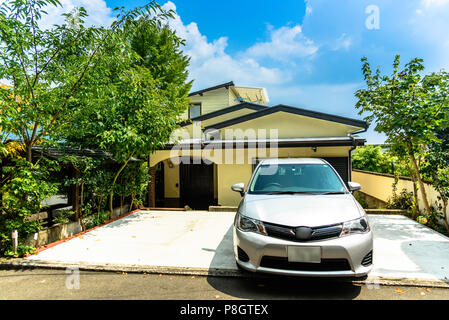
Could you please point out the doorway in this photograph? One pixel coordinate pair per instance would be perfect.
(197, 185)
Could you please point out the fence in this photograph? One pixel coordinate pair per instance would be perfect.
(380, 186)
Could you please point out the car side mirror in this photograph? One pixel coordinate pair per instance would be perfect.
(239, 187)
(354, 186)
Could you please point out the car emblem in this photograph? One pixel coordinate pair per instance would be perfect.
(303, 233)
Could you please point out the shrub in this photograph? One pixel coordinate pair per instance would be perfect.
(405, 200)
(64, 216)
(97, 219)
(361, 200)
(22, 196)
(374, 159)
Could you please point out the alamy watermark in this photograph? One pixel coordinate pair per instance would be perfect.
(372, 22)
(373, 283)
(230, 146)
(72, 281)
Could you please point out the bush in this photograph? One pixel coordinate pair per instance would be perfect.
(22, 196)
(361, 200)
(372, 158)
(97, 219)
(433, 220)
(22, 250)
(405, 200)
(64, 216)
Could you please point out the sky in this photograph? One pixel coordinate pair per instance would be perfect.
(306, 53)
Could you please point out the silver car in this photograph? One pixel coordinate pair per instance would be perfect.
(298, 217)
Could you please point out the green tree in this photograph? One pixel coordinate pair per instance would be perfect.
(45, 73)
(437, 170)
(131, 113)
(407, 106)
(372, 158)
(29, 180)
(45, 70)
(133, 183)
(160, 51)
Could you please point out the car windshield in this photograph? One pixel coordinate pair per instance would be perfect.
(296, 178)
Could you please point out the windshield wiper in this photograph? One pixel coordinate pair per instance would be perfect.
(332, 192)
(290, 192)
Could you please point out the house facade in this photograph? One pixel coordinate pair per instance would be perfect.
(227, 130)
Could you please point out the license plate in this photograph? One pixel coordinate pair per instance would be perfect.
(304, 254)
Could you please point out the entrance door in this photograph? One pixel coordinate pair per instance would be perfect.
(197, 185)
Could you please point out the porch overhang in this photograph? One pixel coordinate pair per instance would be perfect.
(349, 141)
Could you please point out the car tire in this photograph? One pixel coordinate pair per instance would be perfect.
(361, 278)
(241, 268)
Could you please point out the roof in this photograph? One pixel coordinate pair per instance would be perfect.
(259, 93)
(293, 110)
(56, 153)
(210, 115)
(224, 85)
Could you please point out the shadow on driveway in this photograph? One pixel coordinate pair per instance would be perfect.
(266, 286)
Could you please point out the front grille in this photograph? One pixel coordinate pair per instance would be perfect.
(325, 265)
(242, 255)
(368, 259)
(288, 233)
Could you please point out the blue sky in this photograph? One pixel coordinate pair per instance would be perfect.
(306, 53)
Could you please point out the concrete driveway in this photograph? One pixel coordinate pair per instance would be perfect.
(194, 239)
(185, 242)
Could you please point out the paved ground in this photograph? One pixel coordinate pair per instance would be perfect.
(52, 284)
(403, 249)
(157, 238)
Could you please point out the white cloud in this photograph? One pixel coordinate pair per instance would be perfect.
(309, 9)
(429, 28)
(285, 44)
(99, 13)
(434, 3)
(210, 64)
(343, 42)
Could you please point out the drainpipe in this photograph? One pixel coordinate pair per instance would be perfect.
(360, 131)
(350, 159)
(353, 147)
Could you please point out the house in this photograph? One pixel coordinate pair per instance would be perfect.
(227, 130)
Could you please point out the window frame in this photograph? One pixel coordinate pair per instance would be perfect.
(196, 104)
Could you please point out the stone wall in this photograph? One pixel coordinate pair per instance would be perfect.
(60, 231)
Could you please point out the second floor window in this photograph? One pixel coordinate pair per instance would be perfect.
(195, 110)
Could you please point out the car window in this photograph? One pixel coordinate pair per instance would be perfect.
(313, 178)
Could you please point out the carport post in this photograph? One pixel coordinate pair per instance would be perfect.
(151, 194)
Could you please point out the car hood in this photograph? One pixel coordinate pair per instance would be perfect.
(301, 209)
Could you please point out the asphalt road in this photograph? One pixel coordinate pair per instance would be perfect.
(57, 284)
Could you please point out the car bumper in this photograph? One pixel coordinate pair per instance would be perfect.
(269, 255)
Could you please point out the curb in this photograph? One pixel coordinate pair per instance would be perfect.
(57, 265)
(20, 264)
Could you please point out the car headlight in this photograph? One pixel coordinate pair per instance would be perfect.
(355, 226)
(246, 224)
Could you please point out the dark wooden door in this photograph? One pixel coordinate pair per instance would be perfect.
(197, 185)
